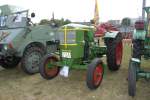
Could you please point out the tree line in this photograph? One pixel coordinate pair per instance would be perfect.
(55, 22)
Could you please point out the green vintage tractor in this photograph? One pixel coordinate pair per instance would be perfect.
(141, 48)
(79, 49)
(21, 40)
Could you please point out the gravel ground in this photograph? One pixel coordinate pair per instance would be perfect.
(16, 85)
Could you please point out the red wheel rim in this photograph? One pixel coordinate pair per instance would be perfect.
(98, 75)
(119, 53)
(53, 70)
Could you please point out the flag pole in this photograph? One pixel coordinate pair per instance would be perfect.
(96, 14)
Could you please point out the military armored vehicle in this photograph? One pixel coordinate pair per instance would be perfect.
(21, 40)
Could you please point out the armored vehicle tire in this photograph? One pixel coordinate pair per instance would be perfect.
(95, 73)
(31, 59)
(132, 79)
(46, 71)
(11, 63)
(114, 52)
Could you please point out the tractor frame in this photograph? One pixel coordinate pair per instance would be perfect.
(79, 49)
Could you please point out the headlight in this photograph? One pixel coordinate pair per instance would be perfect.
(66, 54)
(5, 47)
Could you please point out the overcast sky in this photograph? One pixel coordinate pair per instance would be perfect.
(80, 10)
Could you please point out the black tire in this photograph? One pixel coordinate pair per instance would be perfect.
(132, 78)
(95, 73)
(31, 66)
(10, 63)
(49, 73)
(114, 52)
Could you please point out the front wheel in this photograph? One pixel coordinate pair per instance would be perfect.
(10, 62)
(48, 67)
(95, 74)
(31, 59)
(132, 78)
(114, 52)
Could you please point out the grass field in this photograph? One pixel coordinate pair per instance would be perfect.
(16, 85)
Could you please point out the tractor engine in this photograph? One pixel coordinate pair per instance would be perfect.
(138, 39)
(147, 38)
(141, 41)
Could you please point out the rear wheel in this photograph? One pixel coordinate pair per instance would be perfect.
(114, 52)
(48, 69)
(132, 78)
(95, 74)
(31, 59)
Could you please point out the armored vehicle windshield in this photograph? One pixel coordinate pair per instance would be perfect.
(12, 17)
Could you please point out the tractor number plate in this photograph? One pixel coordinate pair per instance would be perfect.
(66, 54)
